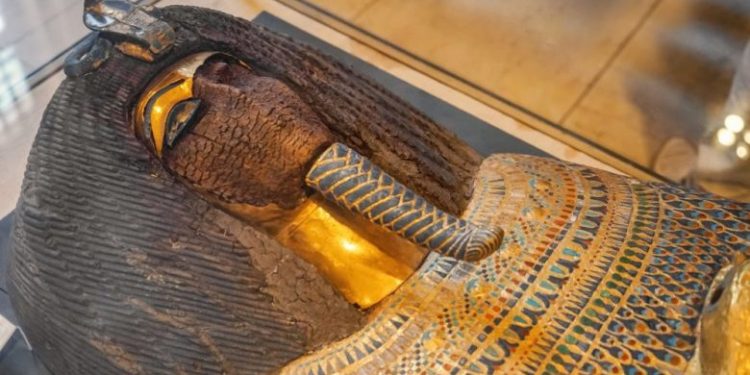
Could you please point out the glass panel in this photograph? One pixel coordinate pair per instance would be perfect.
(636, 83)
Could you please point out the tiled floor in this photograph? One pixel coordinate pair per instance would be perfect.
(501, 45)
(670, 80)
(627, 75)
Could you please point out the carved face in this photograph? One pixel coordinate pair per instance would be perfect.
(242, 137)
(232, 133)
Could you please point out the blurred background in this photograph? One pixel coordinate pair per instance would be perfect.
(655, 88)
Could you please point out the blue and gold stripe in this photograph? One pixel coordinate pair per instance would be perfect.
(345, 177)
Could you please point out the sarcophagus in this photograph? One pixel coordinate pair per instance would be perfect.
(206, 196)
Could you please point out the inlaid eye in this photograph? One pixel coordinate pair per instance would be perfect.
(158, 111)
(168, 114)
(183, 115)
(167, 108)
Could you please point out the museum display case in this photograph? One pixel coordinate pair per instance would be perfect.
(282, 187)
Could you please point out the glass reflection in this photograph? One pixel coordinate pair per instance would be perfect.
(724, 154)
(13, 87)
